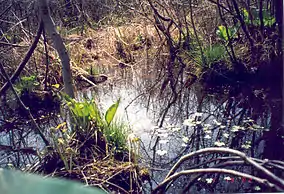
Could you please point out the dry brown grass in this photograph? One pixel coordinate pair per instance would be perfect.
(108, 174)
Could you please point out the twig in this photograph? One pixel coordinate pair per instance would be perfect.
(85, 178)
(110, 183)
(10, 44)
(243, 25)
(6, 10)
(223, 7)
(119, 61)
(88, 81)
(195, 33)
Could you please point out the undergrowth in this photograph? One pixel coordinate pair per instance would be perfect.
(94, 140)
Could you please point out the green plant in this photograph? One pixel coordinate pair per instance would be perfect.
(268, 20)
(224, 34)
(214, 53)
(61, 139)
(84, 114)
(27, 84)
(110, 113)
(116, 134)
(115, 131)
(140, 38)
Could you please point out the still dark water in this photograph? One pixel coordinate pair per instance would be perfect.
(244, 117)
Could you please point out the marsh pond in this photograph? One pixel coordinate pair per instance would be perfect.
(144, 96)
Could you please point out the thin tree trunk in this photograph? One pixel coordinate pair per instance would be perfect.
(59, 46)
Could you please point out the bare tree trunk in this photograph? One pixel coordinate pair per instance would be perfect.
(59, 46)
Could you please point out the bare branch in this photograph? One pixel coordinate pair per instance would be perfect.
(24, 61)
(213, 170)
(12, 45)
(249, 160)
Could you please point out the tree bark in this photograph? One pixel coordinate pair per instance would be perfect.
(59, 46)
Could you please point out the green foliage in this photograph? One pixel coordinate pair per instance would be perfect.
(116, 134)
(61, 138)
(140, 38)
(193, 51)
(246, 15)
(268, 20)
(14, 182)
(214, 53)
(222, 32)
(27, 83)
(84, 114)
(110, 113)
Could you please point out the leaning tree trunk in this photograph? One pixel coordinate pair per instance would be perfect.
(59, 46)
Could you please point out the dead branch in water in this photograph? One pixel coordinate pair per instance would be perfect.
(270, 180)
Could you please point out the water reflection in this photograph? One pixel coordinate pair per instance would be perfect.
(246, 118)
(20, 145)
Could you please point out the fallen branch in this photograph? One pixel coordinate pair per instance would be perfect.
(270, 175)
(212, 170)
(88, 81)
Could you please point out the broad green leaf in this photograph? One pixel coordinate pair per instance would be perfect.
(221, 32)
(15, 182)
(110, 113)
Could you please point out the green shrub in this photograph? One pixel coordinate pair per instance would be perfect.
(84, 114)
(224, 34)
(27, 84)
(268, 19)
(116, 134)
(86, 117)
(214, 53)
